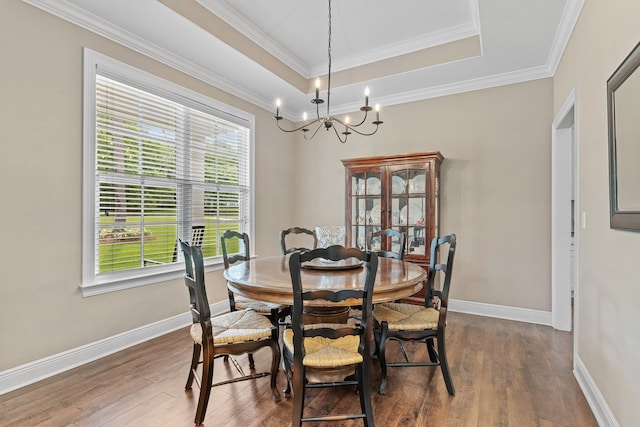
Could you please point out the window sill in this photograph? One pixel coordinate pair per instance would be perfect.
(161, 274)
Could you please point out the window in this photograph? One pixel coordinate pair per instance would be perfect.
(160, 163)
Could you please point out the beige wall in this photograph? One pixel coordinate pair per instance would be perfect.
(608, 303)
(495, 184)
(41, 310)
(495, 193)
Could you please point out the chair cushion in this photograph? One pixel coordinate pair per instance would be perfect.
(321, 352)
(406, 317)
(237, 326)
(261, 307)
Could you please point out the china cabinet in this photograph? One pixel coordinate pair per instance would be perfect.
(399, 192)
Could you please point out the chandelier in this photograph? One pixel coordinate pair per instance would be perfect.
(328, 121)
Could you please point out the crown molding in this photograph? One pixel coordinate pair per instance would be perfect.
(404, 47)
(256, 35)
(262, 39)
(568, 21)
(101, 27)
(487, 82)
(95, 24)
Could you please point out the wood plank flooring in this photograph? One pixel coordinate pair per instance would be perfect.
(506, 374)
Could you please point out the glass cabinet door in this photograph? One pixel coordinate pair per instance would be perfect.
(408, 195)
(366, 206)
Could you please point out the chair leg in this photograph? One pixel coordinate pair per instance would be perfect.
(364, 391)
(381, 357)
(444, 365)
(195, 359)
(433, 356)
(298, 397)
(275, 364)
(252, 363)
(287, 373)
(205, 387)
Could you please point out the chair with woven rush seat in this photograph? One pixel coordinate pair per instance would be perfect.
(234, 333)
(296, 230)
(275, 312)
(326, 355)
(408, 322)
(397, 238)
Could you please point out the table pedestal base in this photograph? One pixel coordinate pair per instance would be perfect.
(325, 315)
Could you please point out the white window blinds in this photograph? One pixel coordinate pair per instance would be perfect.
(166, 167)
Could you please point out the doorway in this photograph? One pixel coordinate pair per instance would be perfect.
(564, 207)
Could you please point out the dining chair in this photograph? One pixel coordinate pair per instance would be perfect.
(276, 312)
(197, 237)
(296, 231)
(327, 355)
(329, 235)
(408, 322)
(238, 332)
(398, 240)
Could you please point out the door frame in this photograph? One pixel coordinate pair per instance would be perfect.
(564, 152)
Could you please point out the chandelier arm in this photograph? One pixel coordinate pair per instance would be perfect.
(349, 126)
(296, 129)
(315, 131)
(338, 135)
(356, 125)
(363, 133)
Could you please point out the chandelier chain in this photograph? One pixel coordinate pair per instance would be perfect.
(329, 74)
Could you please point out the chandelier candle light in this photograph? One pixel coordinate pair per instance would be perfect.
(328, 121)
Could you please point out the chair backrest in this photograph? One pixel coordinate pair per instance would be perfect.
(437, 245)
(398, 238)
(197, 236)
(296, 230)
(329, 235)
(194, 279)
(243, 249)
(363, 294)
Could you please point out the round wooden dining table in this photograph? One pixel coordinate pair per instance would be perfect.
(268, 279)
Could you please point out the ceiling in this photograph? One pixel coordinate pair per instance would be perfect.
(262, 50)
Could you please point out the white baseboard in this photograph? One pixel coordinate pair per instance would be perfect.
(596, 401)
(26, 374)
(501, 312)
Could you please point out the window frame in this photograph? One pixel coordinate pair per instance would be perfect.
(92, 283)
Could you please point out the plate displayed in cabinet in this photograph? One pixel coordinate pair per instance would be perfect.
(397, 185)
(373, 185)
(375, 214)
(415, 214)
(416, 184)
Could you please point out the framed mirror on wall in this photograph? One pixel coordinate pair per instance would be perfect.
(623, 111)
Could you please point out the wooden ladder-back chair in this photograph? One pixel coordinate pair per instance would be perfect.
(408, 322)
(296, 230)
(276, 312)
(233, 333)
(397, 238)
(326, 355)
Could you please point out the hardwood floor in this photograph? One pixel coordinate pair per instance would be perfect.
(505, 373)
